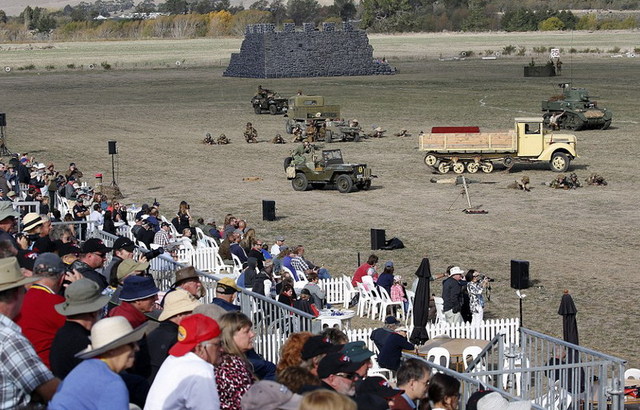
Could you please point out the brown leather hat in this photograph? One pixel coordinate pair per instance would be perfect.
(185, 273)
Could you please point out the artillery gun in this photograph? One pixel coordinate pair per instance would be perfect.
(578, 110)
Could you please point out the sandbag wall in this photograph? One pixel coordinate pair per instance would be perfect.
(267, 53)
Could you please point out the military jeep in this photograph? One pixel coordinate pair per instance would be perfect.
(328, 171)
(272, 103)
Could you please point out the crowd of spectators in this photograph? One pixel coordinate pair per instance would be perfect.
(80, 333)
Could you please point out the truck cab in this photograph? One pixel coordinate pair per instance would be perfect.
(537, 143)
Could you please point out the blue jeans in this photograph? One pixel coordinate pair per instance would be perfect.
(323, 274)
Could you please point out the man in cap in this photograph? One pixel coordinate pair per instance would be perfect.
(391, 354)
(138, 296)
(380, 335)
(358, 353)
(452, 288)
(144, 210)
(376, 392)
(275, 249)
(93, 253)
(226, 290)
(163, 236)
(23, 373)
(38, 318)
(8, 218)
(123, 248)
(74, 172)
(177, 305)
(338, 373)
(314, 350)
(81, 306)
(186, 379)
(413, 377)
(269, 395)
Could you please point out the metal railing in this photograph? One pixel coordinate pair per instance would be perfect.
(269, 316)
(83, 229)
(551, 372)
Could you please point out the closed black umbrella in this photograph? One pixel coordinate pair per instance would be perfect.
(569, 324)
(421, 304)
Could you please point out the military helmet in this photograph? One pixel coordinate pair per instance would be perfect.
(573, 175)
(525, 179)
(248, 124)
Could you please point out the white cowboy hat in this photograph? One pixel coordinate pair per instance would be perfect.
(110, 333)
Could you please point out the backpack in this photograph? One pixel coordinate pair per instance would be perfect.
(393, 243)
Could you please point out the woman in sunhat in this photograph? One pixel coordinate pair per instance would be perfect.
(95, 383)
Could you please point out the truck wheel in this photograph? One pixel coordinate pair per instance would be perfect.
(273, 110)
(257, 109)
(559, 162)
(458, 167)
(300, 182)
(473, 167)
(443, 167)
(487, 167)
(573, 122)
(606, 125)
(344, 184)
(430, 160)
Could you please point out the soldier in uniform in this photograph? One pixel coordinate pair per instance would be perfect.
(250, 134)
(560, 182)
(310, 132)
(403, 133)
(208, 139)
(354, 123)
(378, 132)
(298, 154)
(223, 140)
(322, 131)
(595, 179)
(278, 139)
(522, 184)
(573, 181)
(553, 120)
(297, 134)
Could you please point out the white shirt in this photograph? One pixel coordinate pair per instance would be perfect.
(275, 250)
(185, 382)
(97, 217)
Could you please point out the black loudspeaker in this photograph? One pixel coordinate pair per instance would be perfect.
(113, 150)
(519, 274)
(377, 239)
(268, 210)
(3, 119)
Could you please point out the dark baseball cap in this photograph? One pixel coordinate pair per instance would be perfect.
(317, 345)
(391, 320)
(336, 363)
(94, 245)
(124, 243)
(357, 351)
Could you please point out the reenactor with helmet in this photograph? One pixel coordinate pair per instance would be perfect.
(595, 179)
(223, 140)
(560, 182)
(298, 154)
(297, 133)
(403, 133)
(573, 181)
(378, 132)
(522, 184)
(310, 132)
(208, 139)
(278, 139)
(250, 134)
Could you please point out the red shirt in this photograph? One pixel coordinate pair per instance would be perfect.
(39, 320)
(360, 272)
(133, 315)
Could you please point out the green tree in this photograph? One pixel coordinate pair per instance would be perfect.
(174, 7)
(519, 20)
(477, 19)
(146, 6)
(278, 11)
(375, 12)
(587, 22)
(302, 11)
(346, 9)
(260, 5)
(551, 24)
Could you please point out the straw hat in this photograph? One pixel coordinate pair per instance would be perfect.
(30, 221)
(129, 266)
(176, 302)
(10, 275)
(110, 333)
(82, 296)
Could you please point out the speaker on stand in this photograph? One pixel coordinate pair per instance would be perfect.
(268, 210)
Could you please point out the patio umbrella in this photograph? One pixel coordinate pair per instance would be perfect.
(421, 303)
(569, 324)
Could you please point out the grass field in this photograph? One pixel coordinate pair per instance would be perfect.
(585, 240)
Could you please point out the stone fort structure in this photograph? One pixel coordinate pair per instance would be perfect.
(267, 53)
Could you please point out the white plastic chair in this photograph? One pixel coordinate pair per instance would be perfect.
(367, 281)
(469, 354)
(411, 297)
(349, 291)
(287, 270)
(439, 355)
(301, 276)
(371, 302)
(237, 264)
(513, 380)
(440, 318)
(557, 398)
(376, 370)
(632, 374)
(386, 303)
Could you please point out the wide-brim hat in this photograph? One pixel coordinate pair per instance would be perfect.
(227, 284)
(30, 221)
(378, 129)
(138, 287)
(269, 395)
(494, 401)
(11, 276)
(176, 302)
(186, 273)
(456, 271)
(82, 296)
(110, 333)
(127, 266)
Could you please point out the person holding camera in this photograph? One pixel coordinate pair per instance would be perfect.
(475, 288)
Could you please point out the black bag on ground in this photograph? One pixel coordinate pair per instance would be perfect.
(393, 243)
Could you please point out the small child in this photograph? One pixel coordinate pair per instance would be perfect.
(399, 293)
